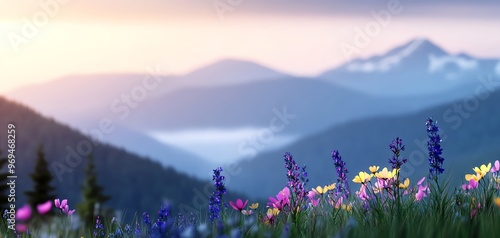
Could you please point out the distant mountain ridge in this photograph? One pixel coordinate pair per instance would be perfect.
(415, 68)
(471, 137)
(136, 184)
(235, 94)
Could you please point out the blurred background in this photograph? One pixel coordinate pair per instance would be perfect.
(162, 92)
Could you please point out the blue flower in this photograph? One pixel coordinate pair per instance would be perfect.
(342, 188)
(435, 150)
(396, 147)
(214, 207)
(99, 228)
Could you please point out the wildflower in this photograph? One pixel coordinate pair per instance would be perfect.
(281, 200)
(24, 213)
(146, 220)
(374, 169)
(396, 147)
(483, 170)
(21, 227)
(311, 195)
(163, 212)
(99, 228)
(473, 184)
(271, 215)
(239, 205)
(405, 185)
(63, 206)
(347, 207)
(435, 150)
(497, 202)
(342, 187)
(214, 206)
(254, 206)
(331, 186)
(362, 193)
(385, 174)
(496, 167)
(44, 207)
(362, 178)
(320, 190)
(247, 212)
(422, 190)
(297, 178)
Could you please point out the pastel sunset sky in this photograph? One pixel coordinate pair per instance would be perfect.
(47, 39)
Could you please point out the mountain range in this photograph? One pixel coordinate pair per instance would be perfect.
(234, 94)
(470, 130)
(135, 183)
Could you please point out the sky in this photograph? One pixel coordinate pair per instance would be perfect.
(48, 39)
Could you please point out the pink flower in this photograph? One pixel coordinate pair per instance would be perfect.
(281, 200)
(24, 213)
(239, 205)
(496, 167)
(21, 227)
(362, 193)
(422, 190)
(44, 207)
(63, 206)
(311, 195)
(247, 212)
(473, 184)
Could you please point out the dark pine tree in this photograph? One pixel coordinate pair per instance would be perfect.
(4, 188)
(42, 178)
(92, 195)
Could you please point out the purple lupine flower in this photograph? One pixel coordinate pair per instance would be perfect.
(146, 220)
(99, 228)
(297, 179)
(342, 188)
(435, 150)
(396, 147)
(138, 230)
(214, 207)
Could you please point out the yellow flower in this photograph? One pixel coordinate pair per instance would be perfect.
(475, 177)
(254, 206)
(273, 212)
(385, 174)
(331, 186)
(374, 169)
(320, 190)
(405, 185)
(346, 207)
(497, 202)
(363, 177)
(481, 172)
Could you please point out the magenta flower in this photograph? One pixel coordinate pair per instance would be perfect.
(281, 200)
(239, 205)
(496, 167)
(24, 213)
(311, 195)
(473, 184)
(63, 206)
(422, 190)
(44, 207)
(21, 227)
(362, 193)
